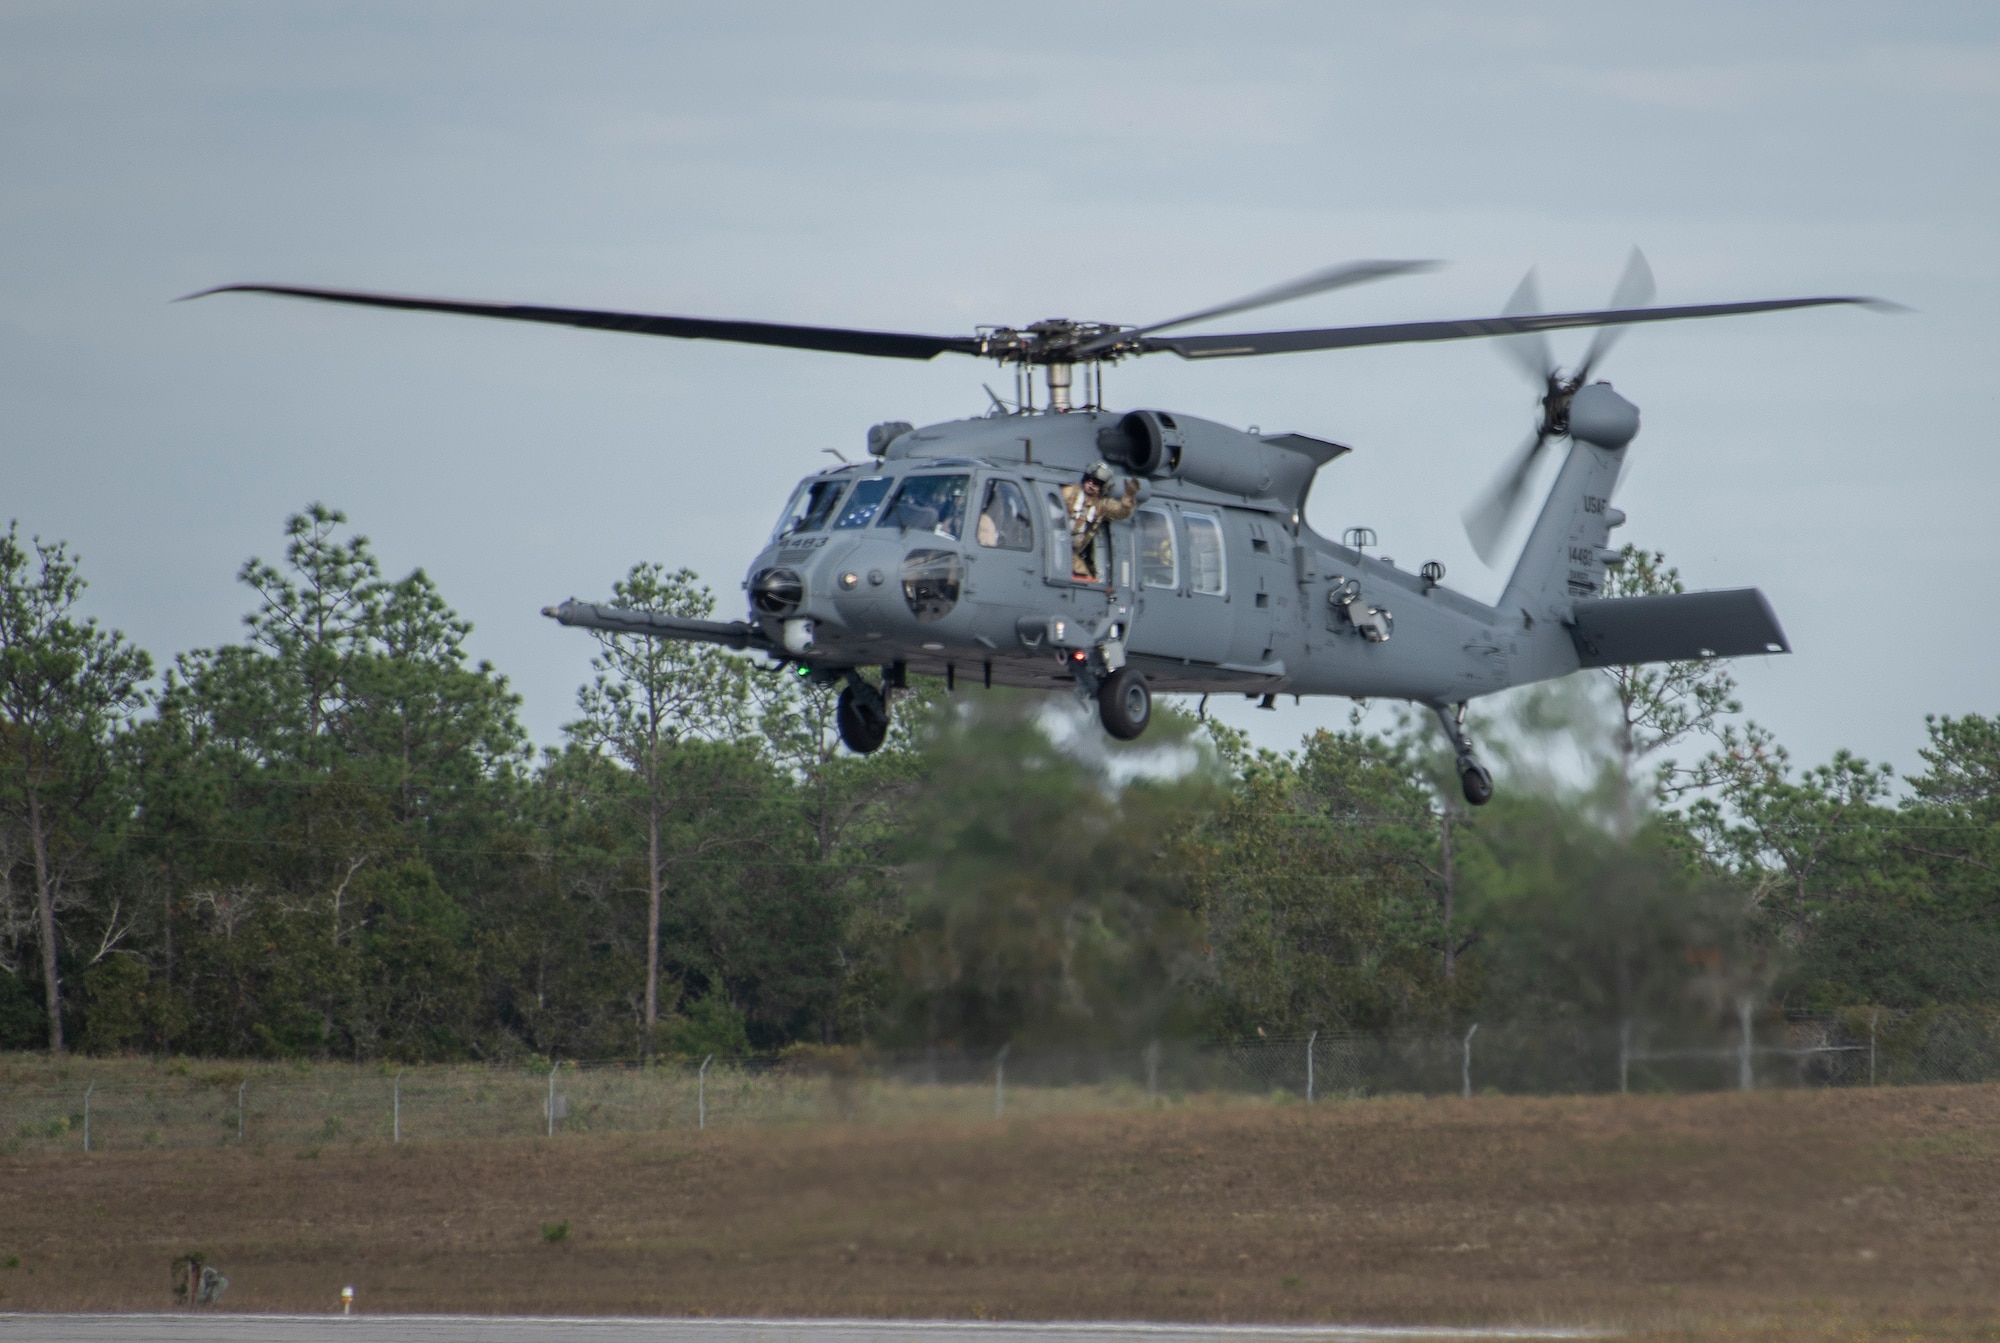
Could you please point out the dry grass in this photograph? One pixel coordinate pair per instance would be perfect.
(1858, 1214)
(139, 1102)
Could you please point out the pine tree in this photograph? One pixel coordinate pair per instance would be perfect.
(67, 688)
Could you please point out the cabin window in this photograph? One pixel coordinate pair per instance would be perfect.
(1004, 521)
(1156, 550)
(1204, 535)
(861, 504)
(934, 504)
(812, 507)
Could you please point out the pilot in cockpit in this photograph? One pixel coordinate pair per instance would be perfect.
(1091, 505)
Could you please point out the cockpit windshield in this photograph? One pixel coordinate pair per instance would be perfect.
(934, 504)
(811, 507)
(861, 504)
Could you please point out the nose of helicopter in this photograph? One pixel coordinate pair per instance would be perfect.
(865, 588)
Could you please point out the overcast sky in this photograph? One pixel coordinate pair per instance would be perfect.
(925, 167)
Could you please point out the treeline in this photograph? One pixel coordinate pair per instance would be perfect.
(333, 839)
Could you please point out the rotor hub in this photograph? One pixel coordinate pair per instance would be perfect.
(1057, 340)
(1555, 406)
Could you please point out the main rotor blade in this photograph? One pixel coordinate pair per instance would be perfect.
(1635, 290)
(1529, 349)
(839, 340)
(1487, 520)
(1319, 282)
(1401, 333)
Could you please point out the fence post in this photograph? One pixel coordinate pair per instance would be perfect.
(1624, 1057)
(1000, 1080)
(86, 1115)
(397, 1134)
(239, 1110)
(1152, 1057)
(552, 1097)
(1465, 1086)
(1745, 1080)
(1871, 1045)
(701, 1094)
(1310, 1041)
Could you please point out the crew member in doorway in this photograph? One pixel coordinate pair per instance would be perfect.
(1091, 505)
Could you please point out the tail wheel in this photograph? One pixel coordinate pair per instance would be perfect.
(863, 720)
(1476, 783)
(1125, 704)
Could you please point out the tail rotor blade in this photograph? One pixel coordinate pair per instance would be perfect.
(1487, 521)
(1529, 349)
(1635, 290)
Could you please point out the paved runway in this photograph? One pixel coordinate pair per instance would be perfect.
(227, 1328)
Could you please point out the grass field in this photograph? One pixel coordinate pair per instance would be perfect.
(1788, 1214)
(144, 1103)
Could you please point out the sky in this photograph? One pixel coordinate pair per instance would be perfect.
(929, 168)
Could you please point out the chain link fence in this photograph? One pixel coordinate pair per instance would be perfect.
(100, 1105)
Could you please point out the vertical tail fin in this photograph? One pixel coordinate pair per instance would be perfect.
(1564, 558)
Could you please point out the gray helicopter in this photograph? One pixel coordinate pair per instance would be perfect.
(954, 550)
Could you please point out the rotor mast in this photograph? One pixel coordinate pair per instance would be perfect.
(1059, 376)
(1058, 345)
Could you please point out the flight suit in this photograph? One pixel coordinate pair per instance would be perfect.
(1087, 518)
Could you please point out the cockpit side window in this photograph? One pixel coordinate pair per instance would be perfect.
(1004, 522)
(934, 504)
(862, 503)
(1156, 549)
(811, 507)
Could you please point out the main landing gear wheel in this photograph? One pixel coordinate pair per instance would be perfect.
(1477, 783)
(863, 719)
(1125, 704)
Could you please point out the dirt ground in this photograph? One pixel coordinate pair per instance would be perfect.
(1782, 1214)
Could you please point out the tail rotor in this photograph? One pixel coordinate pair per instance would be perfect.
(1492, 515)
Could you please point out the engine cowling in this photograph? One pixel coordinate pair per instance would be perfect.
(1144, 442)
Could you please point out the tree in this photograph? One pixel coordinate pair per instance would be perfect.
(1661, 704)
(427, 727)
(849, 807)
(1579, 922)
(1908, 910)
(314, 620)
(1951, 825)
(292, 786)
(1313, 876)
(1042, 901)
(647, 696)
(66, 689)
(1801, 841)
(1430, 762)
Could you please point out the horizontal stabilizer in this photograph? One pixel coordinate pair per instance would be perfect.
(630, 620)
(1675, 627)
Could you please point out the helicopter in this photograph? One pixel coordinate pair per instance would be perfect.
(953, 551)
